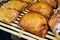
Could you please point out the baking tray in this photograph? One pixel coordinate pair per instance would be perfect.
(14, 29)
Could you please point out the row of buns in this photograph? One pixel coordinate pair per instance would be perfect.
(39, 18)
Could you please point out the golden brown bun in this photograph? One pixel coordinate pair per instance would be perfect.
(54, 24)
(18, 5)
(8, 15)
(52, 3)
(42, 8)
(34, 23)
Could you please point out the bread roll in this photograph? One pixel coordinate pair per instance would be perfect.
(42, 8)
(54, 24)
(34, 23)
(8, 15)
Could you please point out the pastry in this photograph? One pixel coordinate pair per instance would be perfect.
(8, 15)
(17, 5)
(42, 8)
(54, 24)
(52, 3)
(34, 23)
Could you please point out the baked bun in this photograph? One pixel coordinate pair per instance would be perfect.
(17, 5)
(54, 24)
(42, 8)
(8, 15)
(34, 23)
(52, 3)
